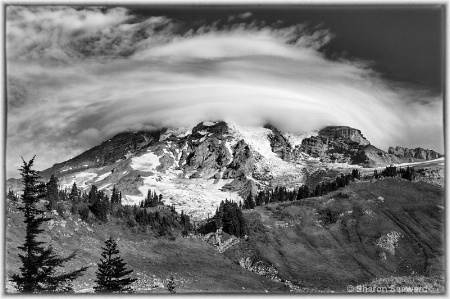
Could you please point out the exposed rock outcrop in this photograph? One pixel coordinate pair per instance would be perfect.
(412, 154)
(345, 134)
(335, 144)
(279, 144)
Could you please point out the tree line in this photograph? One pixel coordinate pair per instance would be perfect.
(97, 205)
(408, 173)
(281, 194)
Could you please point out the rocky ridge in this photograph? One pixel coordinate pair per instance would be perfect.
(413, 154)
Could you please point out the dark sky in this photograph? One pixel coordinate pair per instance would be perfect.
(404, 43)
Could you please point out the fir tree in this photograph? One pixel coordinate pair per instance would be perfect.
(115, 196)
(74, 193)
(171, 284)
(39, 264)
(52, 193)
(111, 271)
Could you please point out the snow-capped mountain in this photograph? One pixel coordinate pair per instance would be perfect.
(196, 168)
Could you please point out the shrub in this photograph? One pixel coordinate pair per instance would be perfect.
(342, 195)
(328, 216)
(131, 222)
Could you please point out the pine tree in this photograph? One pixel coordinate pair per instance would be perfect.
(74, 193)
(100, 206)
(52, 193)
(115, 196)
(111, 271)
(39, 264)
(171, 284)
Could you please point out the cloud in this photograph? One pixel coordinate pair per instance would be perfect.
(242, 16)
(118, 73)
(245, 15)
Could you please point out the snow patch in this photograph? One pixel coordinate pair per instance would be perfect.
(209, 123)
(148, 161)
(80, 178)
(257, 138)
(203, 132)
(199, 198)
(103, 176)
(106, 186)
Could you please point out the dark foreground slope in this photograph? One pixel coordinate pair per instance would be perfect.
(366, 231)
(390, 227)
(195, 264)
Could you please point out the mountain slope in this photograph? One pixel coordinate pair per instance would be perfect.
(390, 227)
(196, 168)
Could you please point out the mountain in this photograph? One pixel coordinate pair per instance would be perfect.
(196, 168)
(387, 229)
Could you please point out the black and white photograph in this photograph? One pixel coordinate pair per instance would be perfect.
(217, 148)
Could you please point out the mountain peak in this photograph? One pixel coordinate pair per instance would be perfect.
(197, 167)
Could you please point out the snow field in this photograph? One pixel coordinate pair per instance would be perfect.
(196, 197)
(148, 161)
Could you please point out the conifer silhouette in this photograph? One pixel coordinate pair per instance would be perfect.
(111, 271)
(39, 264)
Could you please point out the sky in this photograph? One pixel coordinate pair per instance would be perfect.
(78, 75)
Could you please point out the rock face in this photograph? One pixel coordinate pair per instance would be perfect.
(335, 144)
(344, 134)
(279, 144)
(412, 154)
(348, 145)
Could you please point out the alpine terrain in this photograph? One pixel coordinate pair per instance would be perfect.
(367, 215)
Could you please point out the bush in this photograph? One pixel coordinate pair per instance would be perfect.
(342, 195)
(60, 210)
(84, 212)
(328, 216)
(131, 222)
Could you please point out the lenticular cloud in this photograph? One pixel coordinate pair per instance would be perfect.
(78, 76)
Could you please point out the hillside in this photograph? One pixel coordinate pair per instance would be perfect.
(366, 231)
(391, 227)
(196, 265)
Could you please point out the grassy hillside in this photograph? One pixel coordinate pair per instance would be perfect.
(196, 265)
(330, 242)
(361, 233)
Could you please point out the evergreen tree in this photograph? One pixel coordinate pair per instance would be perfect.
(92, 196)
(115, 196)
(100, 207)
(74, 193)
(52, 193)
(39, 264)
(111, 271)
(171, 284)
